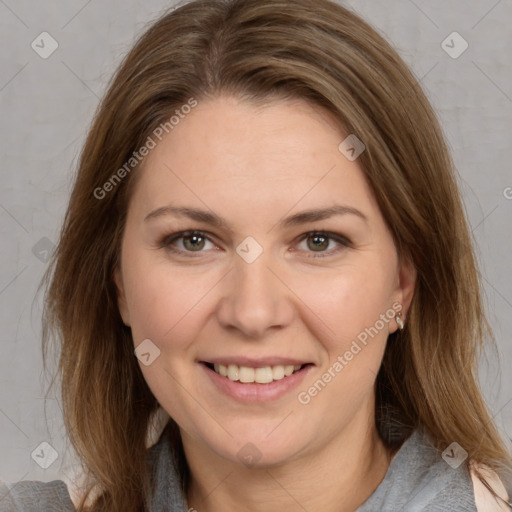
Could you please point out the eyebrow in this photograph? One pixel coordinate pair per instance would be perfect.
(294, 220)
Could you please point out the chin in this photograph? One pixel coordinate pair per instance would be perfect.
(258, 451)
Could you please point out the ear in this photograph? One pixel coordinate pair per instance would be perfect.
(121, 296)
(405, 285)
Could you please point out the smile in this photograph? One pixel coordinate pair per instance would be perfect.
(262, 375)
(255, 384)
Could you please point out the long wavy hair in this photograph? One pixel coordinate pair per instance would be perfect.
(322, 53)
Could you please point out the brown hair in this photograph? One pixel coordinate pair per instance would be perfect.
(278, 49)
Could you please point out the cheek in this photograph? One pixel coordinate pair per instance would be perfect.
(168, 302)
(348, 308)
(346, 301)
(165, 302)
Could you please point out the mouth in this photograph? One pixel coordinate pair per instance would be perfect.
(255, 381)
(258, 375)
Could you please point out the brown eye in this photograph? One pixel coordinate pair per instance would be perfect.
(186, 242)
(320, 242)
(193, 242)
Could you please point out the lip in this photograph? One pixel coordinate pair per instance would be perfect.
(259, 362)
(254, 392)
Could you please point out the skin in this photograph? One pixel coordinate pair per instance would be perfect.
(253, 166)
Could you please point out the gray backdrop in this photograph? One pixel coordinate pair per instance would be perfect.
(47, 101)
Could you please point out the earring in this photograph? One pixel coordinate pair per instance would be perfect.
(399, 321)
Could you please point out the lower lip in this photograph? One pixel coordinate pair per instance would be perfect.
(254, 392)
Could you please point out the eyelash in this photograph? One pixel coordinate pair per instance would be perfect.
(167, 240)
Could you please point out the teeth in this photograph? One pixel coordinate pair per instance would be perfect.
(232, 371)
(262, 375)
(246, 374)
(277, 372)
(288, 370)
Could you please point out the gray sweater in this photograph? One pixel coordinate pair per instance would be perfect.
(418, 479)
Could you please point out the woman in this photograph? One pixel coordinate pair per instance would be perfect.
(266, 215)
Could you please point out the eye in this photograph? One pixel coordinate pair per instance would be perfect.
(320, 241)
(195, 241)
(191, 241)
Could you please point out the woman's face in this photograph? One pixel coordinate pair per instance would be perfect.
(258, 288)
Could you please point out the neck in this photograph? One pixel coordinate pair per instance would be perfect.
(345, 471)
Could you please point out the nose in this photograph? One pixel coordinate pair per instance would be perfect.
(255, 299)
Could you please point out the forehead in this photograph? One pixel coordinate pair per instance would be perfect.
(230, 152)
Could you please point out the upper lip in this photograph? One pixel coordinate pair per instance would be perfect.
(259, 362)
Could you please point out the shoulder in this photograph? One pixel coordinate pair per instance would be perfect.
(485, 501)
(418, 478)
(35, 496)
